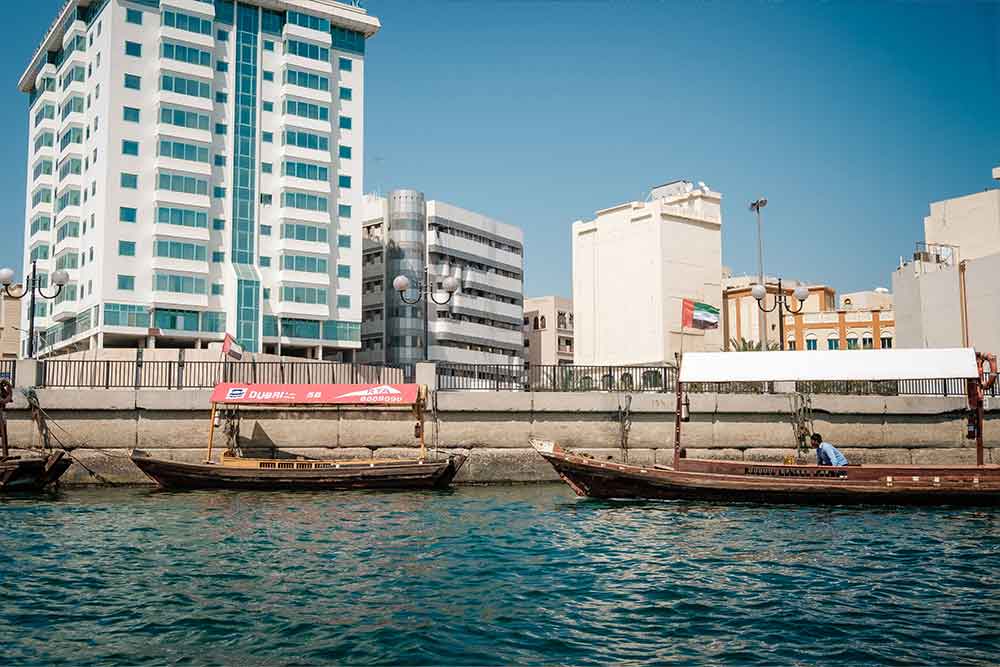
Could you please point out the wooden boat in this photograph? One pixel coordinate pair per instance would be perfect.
(793, 483)
(28, 473)
(235, 471)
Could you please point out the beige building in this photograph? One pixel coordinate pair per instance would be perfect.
(634, 264)
(961, 243)
(864, 321)
(741, 314)
(10, 320)
(548, 331)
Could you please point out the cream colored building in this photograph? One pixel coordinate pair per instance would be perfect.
(864, 321)
(961, 235)
(548, 331)
(741, 313)
(634, 264)
(10, 321)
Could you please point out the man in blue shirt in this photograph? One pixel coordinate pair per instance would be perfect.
(827, 454)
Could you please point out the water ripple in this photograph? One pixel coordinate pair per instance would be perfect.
(489, 576)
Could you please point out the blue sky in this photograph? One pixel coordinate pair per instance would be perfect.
(849, 117)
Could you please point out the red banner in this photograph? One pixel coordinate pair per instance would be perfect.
(316, 394)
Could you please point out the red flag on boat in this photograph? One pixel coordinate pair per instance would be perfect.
(231, 348)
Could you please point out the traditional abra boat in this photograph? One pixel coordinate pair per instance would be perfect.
(793, 483)
(235, 471)
(28, 473)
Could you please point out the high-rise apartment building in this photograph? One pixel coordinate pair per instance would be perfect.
(404, 234)
(196, 167)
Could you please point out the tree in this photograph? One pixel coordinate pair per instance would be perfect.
(744, 345)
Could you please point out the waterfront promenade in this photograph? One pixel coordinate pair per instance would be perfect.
(494, 427)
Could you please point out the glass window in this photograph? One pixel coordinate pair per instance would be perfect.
(268, 76)
(131, 114)
(266, 167)
(267, 137)
(344, 210)
(221, 66)
(188, 22)
(304, 79)
(132, 82)
(221, 97)
(343, 271)
(184, 86)
(852, 343)
(183, 118)
(182, 183)
(133, 16)
(218, 224)
(304, 201)
(306, 170)
(220, 160)
(833, 343)
(217, 289)
(220, 128)
(194, 252)
(268, 45)
(811, 344)
(129, 180)
(268, 106)
(307, 140)
(307, 50)
(344, 181)
(222, 36)
(127, 214)
(345, 94)
(265, 261)
(126, 282)
(126, 248)
(181, 217)
(219, 192)
(886, 342)
(343, 301)
(130, 147)
(345, 64)
(344, 152)
(133, 49)
(345, 122)
(343, 240)
(265, 230)
(867, 342)
(218, 256)
(186, 54)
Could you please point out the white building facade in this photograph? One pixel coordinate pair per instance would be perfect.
(961, 245)
(405, 234)
(196, 167)
(634, 264)
(548, 331)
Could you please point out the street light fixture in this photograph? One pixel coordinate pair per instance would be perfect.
(425, 291)
(759, 292)
(755, 206)
(31, 287)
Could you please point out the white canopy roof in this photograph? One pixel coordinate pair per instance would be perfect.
(829, 365)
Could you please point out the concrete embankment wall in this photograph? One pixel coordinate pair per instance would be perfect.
(494, 429)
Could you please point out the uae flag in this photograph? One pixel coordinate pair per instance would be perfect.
(698, 315)
(231, 348)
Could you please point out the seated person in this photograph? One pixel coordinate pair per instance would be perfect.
(827, 454)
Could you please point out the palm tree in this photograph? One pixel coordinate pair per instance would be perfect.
(744, 345)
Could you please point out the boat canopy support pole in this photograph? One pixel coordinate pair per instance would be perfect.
(6, 395)
(677, 418)
(977, 392)
(211, 433)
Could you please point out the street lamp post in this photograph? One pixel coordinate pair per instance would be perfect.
(425, 291)
(31, 287)
(755, 206)
(759, 292)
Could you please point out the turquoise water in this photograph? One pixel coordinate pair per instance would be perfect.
(487, 576)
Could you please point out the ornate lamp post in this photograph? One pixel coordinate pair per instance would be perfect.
(425, 291)
(31, 287)
(759, 292)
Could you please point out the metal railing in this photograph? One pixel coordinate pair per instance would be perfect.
(179, 374)
(515, 377)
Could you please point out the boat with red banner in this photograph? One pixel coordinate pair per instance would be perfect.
(236, 471)
(691, 478)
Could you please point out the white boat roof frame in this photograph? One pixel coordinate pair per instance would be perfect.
(830, 365)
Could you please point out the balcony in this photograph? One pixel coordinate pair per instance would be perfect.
(180, 300)
(165, 163)
(293, 121)
(459, 246)
(171, 98)
(166, 130)
(318, 36)
(480, 307)
(308, 185)
(460, 356)
(183, 36)
(308, 311)
(490, 282)
(301, 277)
(446, 329)
(296, 246)
(286, 89)
(289, 214)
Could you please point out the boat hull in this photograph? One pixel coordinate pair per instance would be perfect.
(776, 483)
(32, 473)
(403, 474)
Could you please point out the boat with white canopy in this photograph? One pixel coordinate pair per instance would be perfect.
(792, 482)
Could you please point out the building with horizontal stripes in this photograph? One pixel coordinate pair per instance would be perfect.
(405, 234)
(196, 167)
